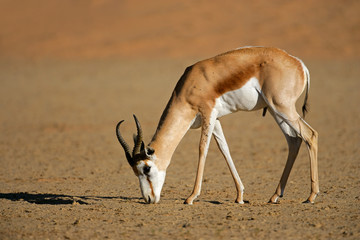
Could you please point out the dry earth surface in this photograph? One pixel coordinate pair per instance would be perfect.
(69, 71)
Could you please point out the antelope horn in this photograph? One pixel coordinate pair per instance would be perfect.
(124, 144)
(139, 137)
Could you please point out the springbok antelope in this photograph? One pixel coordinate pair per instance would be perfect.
(247, 79)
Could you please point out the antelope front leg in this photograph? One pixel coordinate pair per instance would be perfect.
(206, 132)
(197, 187)
(223, 146)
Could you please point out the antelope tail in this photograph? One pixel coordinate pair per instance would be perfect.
(305, 106)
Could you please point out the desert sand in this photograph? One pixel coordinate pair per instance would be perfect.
(70, 70)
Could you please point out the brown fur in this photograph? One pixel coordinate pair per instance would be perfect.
(207, 80)
(282, 80)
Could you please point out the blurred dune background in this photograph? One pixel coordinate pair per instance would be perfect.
(178, 29)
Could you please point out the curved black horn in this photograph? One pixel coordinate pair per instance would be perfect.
(139, 137)
(124, 144)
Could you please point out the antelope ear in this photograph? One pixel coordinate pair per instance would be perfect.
(149, 151)
(142, 146)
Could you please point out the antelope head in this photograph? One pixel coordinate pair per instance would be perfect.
(143, 162)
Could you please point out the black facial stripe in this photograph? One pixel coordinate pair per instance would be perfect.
(146, 169)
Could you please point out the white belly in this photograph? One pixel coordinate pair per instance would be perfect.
(247, 98)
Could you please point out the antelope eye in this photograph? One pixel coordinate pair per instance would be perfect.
(146, 169)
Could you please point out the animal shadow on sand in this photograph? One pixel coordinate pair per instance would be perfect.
(55, 199)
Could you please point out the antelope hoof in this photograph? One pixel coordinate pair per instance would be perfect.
(311, 198)
(274, 199)
(189, 200)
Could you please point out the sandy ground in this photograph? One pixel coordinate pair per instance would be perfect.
(63, 174)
